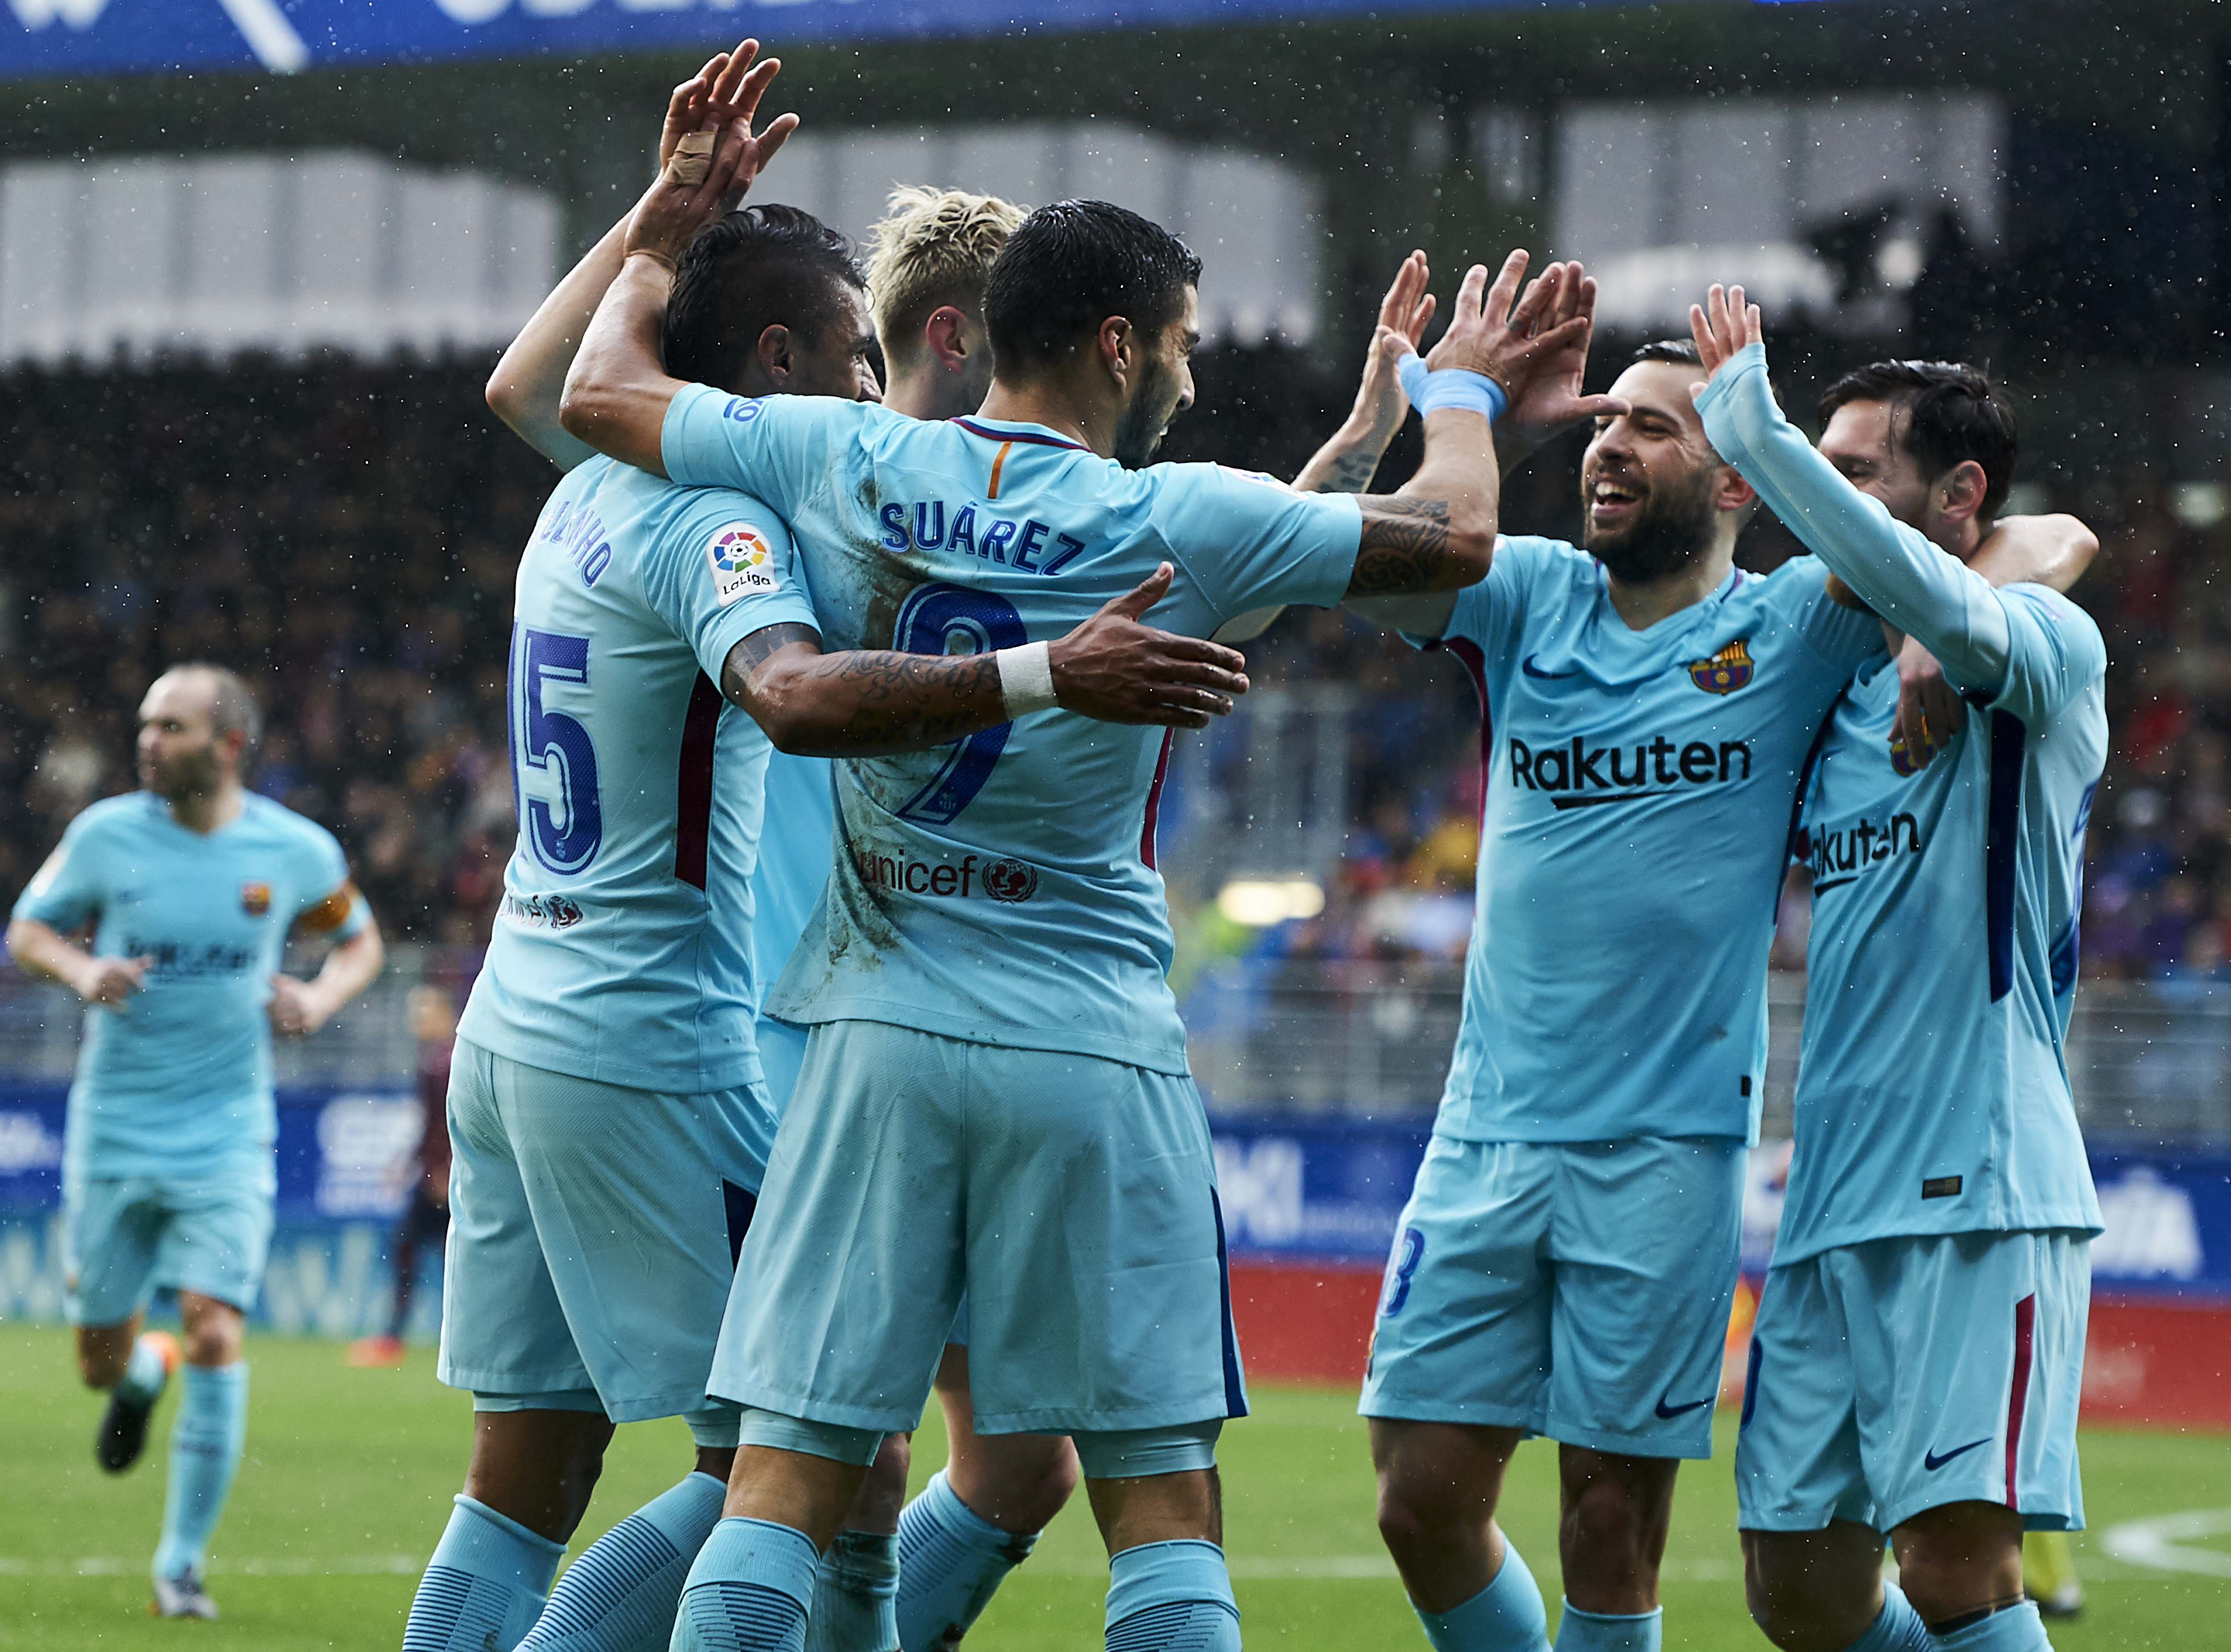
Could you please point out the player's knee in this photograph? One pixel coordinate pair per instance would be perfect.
(1415, 1509)
(214, 1341)
(1959, 1558)
(1779, 1603)
(1609, 1528)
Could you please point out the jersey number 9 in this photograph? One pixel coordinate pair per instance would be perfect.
(933, 619)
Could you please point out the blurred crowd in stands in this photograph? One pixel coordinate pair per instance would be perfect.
(346, 534)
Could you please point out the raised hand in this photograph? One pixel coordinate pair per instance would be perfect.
(1116, 670)
(685, 106)
(1380, 407)
(1721, 325)
(672, 212)
(1554, 401)
(1511, 338)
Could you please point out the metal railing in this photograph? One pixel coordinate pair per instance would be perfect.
(1305, 1038)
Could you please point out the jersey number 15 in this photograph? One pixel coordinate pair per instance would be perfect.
(541, 740)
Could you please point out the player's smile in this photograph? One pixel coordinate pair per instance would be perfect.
(1611, 501)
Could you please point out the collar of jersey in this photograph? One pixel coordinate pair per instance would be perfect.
(1670, 625)
(1037, 435)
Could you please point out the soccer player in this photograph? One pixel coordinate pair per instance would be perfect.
(993, 944)
(929, 260)
(1918, 1357)
(192, 884)
(608, 1112)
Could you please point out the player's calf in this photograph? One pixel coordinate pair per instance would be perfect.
(1823, 1591)
(1961, 1562)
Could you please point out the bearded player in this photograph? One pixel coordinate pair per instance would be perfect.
(192, 884)
(1918, 1358)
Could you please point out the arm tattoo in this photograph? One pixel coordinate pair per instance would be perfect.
(1405, 543)
(1350, 473)
(894, 691)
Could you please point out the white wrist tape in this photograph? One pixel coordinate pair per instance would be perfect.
(691, 159)
(1026, 678)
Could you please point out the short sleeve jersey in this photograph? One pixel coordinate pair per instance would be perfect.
(1001, 888)
(177, 1081)
(1640, 787)
(1932, 1090)
(623, 950)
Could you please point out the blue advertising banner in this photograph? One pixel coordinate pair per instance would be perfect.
(74, 37)
(1325, 1195)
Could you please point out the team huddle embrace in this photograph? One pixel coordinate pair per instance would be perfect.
(823, 1056)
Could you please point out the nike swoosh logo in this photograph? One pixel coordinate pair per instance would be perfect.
(1665, 1410)
(1528, 666)
(1931, 1461)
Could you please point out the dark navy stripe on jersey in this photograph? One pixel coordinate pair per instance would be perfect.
(2009, 737)
(1235, 1386)
(692, 791)
(1036, 438)
(1155, 802)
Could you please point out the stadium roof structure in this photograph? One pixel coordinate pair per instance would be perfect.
(563, 94)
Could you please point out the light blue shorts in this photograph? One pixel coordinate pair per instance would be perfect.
(1578, 1290)
(126, 1236)
(592, 1236)
(1073, 1198)
(1896, 1376)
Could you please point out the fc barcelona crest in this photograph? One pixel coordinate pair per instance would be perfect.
(255, 899)
(1726, 671)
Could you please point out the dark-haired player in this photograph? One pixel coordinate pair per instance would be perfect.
(1565, 1264)
(1918, 1352)
(192, 882)
(995, 1096)
(609, 1116)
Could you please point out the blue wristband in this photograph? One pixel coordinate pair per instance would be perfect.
(1450, 387)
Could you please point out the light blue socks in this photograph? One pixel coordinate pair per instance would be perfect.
(749, 1592)
(2018, 1628)
(1579, 1632)
(143, 1373)
(951, 1559)
(856, 1590)
(205, 1441)
(620, 1594)
(1171, 1597)
(484, 1587)
(1897, 1628)
(1505, 1616)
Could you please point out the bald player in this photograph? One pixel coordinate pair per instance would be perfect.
(190, 886)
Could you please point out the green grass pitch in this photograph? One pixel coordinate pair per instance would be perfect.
(349, 1474)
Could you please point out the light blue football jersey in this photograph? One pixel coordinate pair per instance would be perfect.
(801, 814)
(1001, 888)
(178, 1080)
(1640, 787)
(1933, 1092)
(623, 949)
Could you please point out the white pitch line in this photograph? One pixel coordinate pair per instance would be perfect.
(361, 1566)
(2164, 1543)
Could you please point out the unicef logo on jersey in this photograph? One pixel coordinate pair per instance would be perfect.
(741, 562)
(1010, 880)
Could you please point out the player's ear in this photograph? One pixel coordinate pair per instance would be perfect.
(1732, 492)
(1960, 491)
(946, 336)
(1118, 344)
(775, 353)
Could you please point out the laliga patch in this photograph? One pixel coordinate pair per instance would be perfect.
(1726, 671)
(741, 562)
(255, 899)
